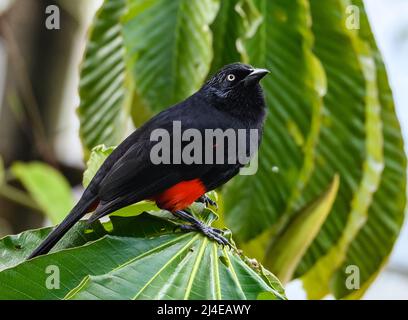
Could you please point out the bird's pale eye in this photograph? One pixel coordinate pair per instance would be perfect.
(231, 77)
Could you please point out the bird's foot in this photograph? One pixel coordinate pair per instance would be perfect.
(197, 225)
(208, 201)
(209, 232)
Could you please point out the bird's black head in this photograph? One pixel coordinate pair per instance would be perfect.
(236, 87)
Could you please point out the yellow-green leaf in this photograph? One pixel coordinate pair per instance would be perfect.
(287, 250)
(48, 188)
(97, 157)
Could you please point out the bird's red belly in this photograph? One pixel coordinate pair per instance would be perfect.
(181, 195)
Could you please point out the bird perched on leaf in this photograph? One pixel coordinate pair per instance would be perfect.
(232, 99)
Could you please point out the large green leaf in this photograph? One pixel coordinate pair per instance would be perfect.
(169, 48)
(373, 244)
(282, 44)
(72, 268)
(184, 267)
(14, 249)
(351, 208)
(138, 258)
(381, 224)
(342, 146)
(105, 88)
(50, 190)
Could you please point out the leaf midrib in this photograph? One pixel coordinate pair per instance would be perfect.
(166, 265)
(195, 268)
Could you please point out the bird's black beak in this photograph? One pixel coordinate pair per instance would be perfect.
(255, 76)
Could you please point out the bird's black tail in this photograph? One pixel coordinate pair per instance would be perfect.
(80, 209)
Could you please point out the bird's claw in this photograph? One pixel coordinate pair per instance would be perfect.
(208, 201)
(209, 232)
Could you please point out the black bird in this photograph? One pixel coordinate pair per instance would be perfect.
(231, 99)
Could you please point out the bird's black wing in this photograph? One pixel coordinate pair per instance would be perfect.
(134, 177)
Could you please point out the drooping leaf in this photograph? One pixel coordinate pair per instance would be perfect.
(330, 272)
(373, 244)
(289, 247)
(282, 44)
(47, 187)
(342, 144)
(317, 279)
(140, 258)
(105, 88)
(169, 48)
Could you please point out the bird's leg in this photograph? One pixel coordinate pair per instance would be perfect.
(197, 225)
(207, 201)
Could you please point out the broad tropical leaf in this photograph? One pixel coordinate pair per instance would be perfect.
(105, 88)
(169, 48)
(14, 249)
(282, 44)
(341, 146)
(183, 267)
(357, 141)
(136, 258)
(367, 208)
(373, 244)
(47, 187)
